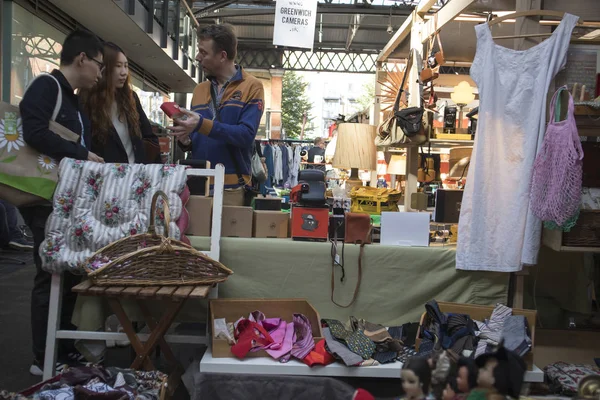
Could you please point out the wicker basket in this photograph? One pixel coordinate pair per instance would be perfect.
(586, 233)
(150, 259)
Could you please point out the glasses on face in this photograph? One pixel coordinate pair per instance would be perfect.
(98, 63)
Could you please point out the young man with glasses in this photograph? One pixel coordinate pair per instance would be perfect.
(81, 65)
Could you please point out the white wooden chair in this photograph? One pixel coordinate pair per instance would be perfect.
(54, 332)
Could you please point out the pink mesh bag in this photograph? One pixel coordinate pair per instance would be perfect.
(557, 171)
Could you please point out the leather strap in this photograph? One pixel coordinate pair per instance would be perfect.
(404, 78)
(359, 278)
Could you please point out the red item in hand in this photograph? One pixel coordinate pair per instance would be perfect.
(172, 109)
(362, 394)
(319, 356)
(249, 334)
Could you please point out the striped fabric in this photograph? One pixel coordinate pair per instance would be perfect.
(491, 330)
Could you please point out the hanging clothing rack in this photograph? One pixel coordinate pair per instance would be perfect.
(286, 140)
(529, 13)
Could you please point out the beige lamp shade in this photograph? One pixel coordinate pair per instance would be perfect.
(463, 93)
(460, 158)
(355, 147)
(397, 165)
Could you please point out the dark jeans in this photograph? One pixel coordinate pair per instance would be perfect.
(8, 223)
(35, 218)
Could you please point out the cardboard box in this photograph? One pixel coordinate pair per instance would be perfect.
(481, 313)
(233, 309)
(237, 222)
(271, 224)
(200, 211)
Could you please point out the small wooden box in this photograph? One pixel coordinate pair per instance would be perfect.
(271, 224)
(481, 313)
(233, 309)
(236, 222)
(200, 215)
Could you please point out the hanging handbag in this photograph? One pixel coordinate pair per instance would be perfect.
(557, 170)
(358, 231)
(258, 169)
(403, 127)
(28, 177)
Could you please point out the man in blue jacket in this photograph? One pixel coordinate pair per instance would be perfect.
(226, 112)
(81, 65)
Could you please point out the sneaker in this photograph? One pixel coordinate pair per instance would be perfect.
(37, 368)
(20, 244)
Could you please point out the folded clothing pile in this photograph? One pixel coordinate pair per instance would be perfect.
(95, 382)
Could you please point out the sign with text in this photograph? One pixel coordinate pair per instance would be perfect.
(295, 23)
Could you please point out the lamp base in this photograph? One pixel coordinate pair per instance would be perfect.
(352, 181)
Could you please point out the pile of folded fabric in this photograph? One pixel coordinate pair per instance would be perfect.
(357, 343)
(95, 382)
(470, 338)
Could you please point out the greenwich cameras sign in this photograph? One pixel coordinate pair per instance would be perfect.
(295, 23)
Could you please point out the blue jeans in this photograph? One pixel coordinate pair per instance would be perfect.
(8, 223)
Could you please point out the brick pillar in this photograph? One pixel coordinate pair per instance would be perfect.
(276, 91)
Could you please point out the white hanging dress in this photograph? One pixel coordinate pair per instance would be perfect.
(497, 231)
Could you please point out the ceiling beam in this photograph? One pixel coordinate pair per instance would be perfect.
(446, 14)
(212, 8)
(339, 9)
(352, 29)
(424, 6)
(396, 40)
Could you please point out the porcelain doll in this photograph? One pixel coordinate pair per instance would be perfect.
(500, 374)
(416, 377)
(466, 377)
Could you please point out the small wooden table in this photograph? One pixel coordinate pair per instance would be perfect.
(174, 298)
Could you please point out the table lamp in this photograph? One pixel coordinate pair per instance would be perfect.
(396, 166)
(460, 158)
(355, 149)
(462, 95)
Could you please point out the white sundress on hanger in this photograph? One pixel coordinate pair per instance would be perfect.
(497, 231)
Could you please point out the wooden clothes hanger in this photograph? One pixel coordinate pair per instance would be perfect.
(528, 13)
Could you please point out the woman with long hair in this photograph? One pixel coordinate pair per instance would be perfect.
(121, 132)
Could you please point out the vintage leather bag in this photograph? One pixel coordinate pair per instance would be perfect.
(404, 127)
(358, 231)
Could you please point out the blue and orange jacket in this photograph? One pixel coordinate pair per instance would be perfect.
(240, 111)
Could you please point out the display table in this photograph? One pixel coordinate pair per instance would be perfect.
(268, 366)
(396, 281)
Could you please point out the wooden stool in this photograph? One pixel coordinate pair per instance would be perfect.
(174, 297)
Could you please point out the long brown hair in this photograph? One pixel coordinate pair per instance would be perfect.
(97, 102)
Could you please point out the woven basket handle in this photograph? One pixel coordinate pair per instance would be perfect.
(153, 208)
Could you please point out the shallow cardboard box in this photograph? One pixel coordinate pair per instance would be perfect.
(200, 210)
(481, 313)
(237, 222)
(271, 224)
(233, 309)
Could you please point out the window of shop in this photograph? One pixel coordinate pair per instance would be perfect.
(35, 48)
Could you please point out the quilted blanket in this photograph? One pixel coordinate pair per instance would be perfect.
(97, 204)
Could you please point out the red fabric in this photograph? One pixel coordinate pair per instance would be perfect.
(249, 334)
(319, 356)
(362, 394)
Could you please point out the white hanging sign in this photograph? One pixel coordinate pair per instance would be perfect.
(295, 23)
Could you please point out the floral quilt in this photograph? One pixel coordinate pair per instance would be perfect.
(97, 204)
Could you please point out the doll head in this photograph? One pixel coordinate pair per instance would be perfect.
(451, 389)
(503, 371)
(466, 375)
(416, 377)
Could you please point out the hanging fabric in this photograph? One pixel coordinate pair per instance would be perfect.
(497, 231)
(557, 171)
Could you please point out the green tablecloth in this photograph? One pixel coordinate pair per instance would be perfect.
(396, 282)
